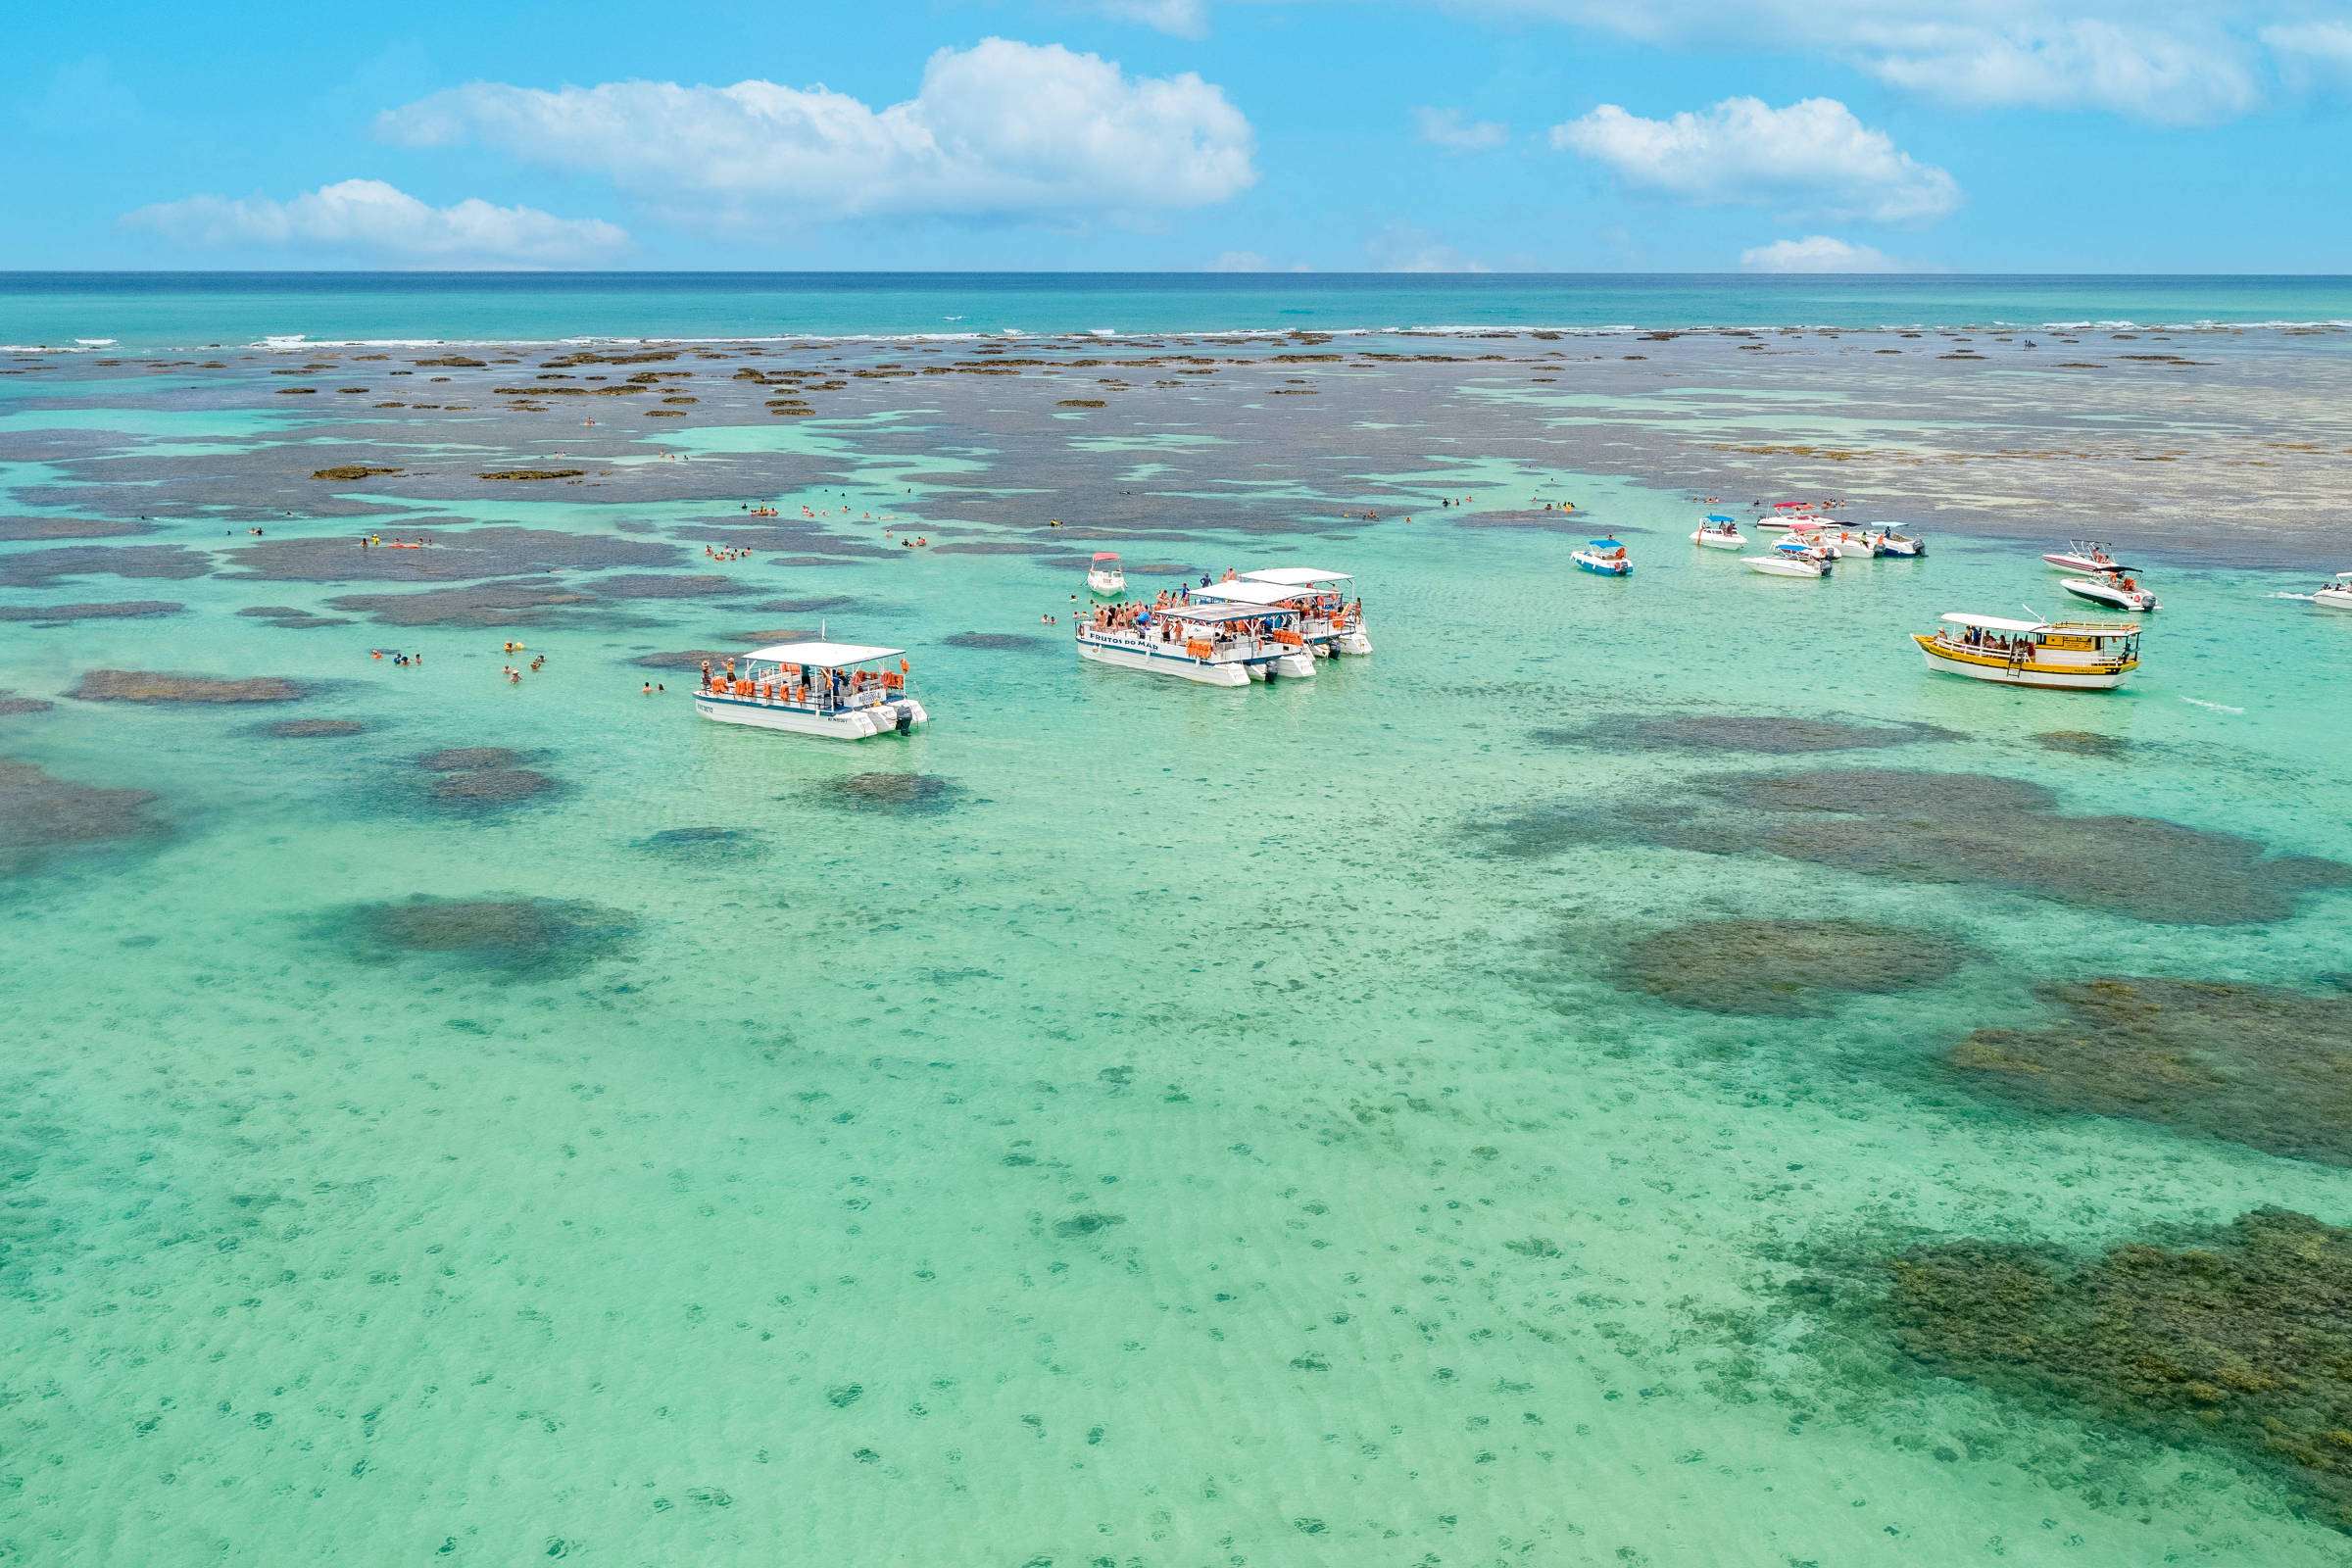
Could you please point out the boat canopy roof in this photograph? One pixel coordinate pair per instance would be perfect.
(1605, 544)
(1298, 576)
(1211, 614)
(2072, 628)
(1107, 555)
(1717, 516)
(825, 655)
(1252, 593)
(1994, 623)
(2342, 576)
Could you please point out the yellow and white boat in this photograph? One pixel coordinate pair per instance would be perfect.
(2069, 656)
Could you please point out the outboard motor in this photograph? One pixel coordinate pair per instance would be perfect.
(906, 718)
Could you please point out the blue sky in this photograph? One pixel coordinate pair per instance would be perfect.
(1975, 135)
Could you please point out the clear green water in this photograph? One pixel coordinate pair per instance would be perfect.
(1121, 1164)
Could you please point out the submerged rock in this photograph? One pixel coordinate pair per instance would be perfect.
(451, 556)
(148, 686)
(1942, 828)
(2253, 1064)
(688, 659)
(491, 787)
(999, 642)
(1783, 967)
(527, 603)
(41, 814)
(651, 585)
(37, 569)
(706, 846)
(521, 936)
(125, 610)
(293, 729)
(13, 528)
(466, 759)
(11, 703)
(2238, 1337)
(1765, 734)
(910, 794)
(2082, 743)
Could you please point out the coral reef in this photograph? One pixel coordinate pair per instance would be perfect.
(1783, 967)
(148, 686)
(41, 814)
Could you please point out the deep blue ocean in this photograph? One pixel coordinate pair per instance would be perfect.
(143, 311)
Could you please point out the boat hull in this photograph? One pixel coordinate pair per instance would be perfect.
(2002, 672)
(1182, 665)
(2332, 598)
(2076, 563)
(1787, 566)
(2098, 593)
(856, 724)
(1719, 541)
(1105, 584)
(1604, 568)
(1903, 547)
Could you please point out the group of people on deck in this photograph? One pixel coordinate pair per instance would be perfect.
(1992, 642)
(812, 684)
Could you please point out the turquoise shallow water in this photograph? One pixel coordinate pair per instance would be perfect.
(1188, 1139)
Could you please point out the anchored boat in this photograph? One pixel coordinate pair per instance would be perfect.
(2077, 656)
(1607, 556)
(1345, 621)
(1792, 558)
(2083, 555)
(1719, 533)
(1326, 621)
(2115, 588)
(1216, 642)
(1106, 577)
(1892, 541)
(814, 689)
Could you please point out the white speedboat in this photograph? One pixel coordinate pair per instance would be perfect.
(1326, 621)
(1719, 533)
(814, 689)
(2076, 656)
(1104, 577)
(2083, 555)
(2117, 589)
(1892, 541)
(1792, 558)
(1214, 643)
(2337, 595)
(1605, 555)
(1844, 543)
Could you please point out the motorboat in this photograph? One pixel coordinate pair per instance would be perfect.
(1795, 522)
(1215, 642)
(817, 687)
(2076, 656)
(1792, 558)
(1844, 543)
(2083, 555)
(2337, 594)
(1605, 555)
(1104, 576)
(1328, 622)
(2117, 589)
(1719, 533)
(1892, 541)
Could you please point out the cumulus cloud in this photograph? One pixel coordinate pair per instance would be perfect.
(1444, 128)
(1000, 130)
(1818, 252)
(2312, 55)
(366, 218)
(1811, 158)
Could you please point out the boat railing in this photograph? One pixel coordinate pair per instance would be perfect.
(817, 695)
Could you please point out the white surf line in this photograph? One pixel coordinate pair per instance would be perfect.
(2218, 707)
(2306, 598)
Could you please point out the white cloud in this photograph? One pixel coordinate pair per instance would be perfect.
(1811, 158)
(1402, 247)
(1186, 18)
(2312, 55)
(1001, 130)
(370, 220)
(1818, 252)
(1444, 128)
(1241, 262)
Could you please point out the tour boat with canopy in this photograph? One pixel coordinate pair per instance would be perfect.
(1217, 643)
(2116, 588)
(1792, 558)
(1325, 619)
(2076, 656)
(818, 688)
(1719, 533)
(2083, 555)
(1346, 622)
(1104, 577)
(2335, 593)
(1605, 555)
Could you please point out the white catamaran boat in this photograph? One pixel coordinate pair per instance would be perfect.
(2075, 655)
(2337, 594)
(813, 689)
(1104, 577)
(2116, 588)
(1719, 533)
(1346, 621)
(1215, 643)
(2083, 555)
(1326, 621)
(1792, 558)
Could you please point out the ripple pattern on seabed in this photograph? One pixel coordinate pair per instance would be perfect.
(1124, 1121)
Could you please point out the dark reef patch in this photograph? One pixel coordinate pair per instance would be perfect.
(1783, 968)
(454, 554)
(123, 609)
(999, 642)
(525, 602)
(299, 729)
(805, 606)
(468, 758)
(42, 816)
(148, 686)
(15, 528)
(37, 569)
(902, 794)
(1763, 734)
(1947, 828)
(487, 789)
(289, 617)
(2236, 1337)
(2251, 1065)
(519, 936)
(11, 703)
(687, 659)
(641, 585)
(2083, 742)
(706, 846)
